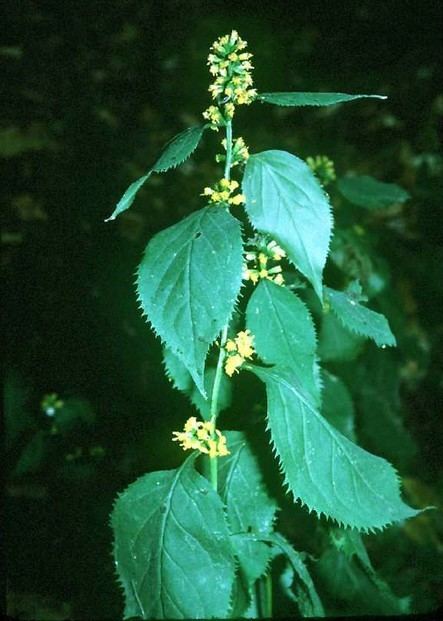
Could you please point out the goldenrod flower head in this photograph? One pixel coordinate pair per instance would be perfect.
(260, 259)
(323, 167)
(233, 363)
(238, 349)
(203, 437)
(222, 192)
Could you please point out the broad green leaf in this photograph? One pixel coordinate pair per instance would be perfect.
(188, 282)
(365, 191)
(249, 508)
(322, 468)
(359, 319)
(284, 199)
(284, 331)
(172, 547)
(174, 153)
(306, 595)
(337, 406)
(335, 343)
(182, 380)
(311, 99)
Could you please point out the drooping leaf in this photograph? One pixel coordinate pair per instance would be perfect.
(311, 99)
(284, 332)
(305, 594)
(182, 380)
(335, 343)
(365, 191)
(249, 508)
(188, 282)
(32, 455)
(337, 406)
(284, 199)
(322, 468)
(172, 548)
(351, 590)
(359, 319)
(174, 153)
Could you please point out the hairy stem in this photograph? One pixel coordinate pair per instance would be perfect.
(224, 332)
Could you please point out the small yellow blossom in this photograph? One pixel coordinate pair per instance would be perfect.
(260, 259)
(203, 437)
(238, 349)
(233, 363)
(222, 192)
(244, 341)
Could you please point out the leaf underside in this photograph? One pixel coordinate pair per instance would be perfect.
(188, 282)
(322, 468)
(311, 99)
(284, 332)
(359, 319)
(249, 508)
(172, 548)
(285, 200)
(174, 153)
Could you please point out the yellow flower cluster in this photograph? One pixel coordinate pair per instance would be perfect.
(238, 349)
(239, 155)
(202, 437)
(260, 267)
(51, 403)
(323, 167)
(222, 192)
(231, 68)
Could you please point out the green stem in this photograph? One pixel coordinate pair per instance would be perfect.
(224, 332)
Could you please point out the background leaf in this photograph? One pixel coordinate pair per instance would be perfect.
(284, 331)
(284, 199)
(174, 153)
(311, 99)
(337, 405)
(327, 472)
(365, 191)
(249, 508)
(172, 547)
(359, 319)
(188, 282)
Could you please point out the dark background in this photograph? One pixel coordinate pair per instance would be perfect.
(92, 90)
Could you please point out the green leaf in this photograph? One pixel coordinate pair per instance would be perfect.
(322, 468)
(338, 408)
(359, 319)
(365, 191)
(284, 199)
(311, 99)
(284, 331)
(335, 343)
(32, 455)
(188, 282)
(174, 153)
(248, 506)
(351, 590)
(182, 380)
(306, 595)
(172, 548)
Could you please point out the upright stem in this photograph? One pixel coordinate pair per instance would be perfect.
(224, 332)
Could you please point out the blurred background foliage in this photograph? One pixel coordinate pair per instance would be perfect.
(92, 91)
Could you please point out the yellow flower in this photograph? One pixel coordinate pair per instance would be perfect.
(233, 363)
(230, 345)
(201, 436)
(244, 341)
(239, 199)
